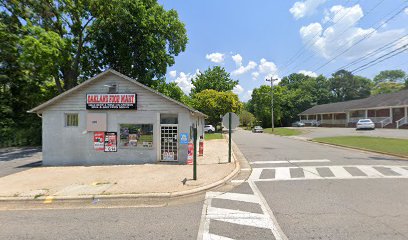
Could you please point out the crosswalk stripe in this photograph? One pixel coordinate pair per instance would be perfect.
(282, 173)
(291, 161)
(340, 172)
(239, 217)
(256, 174)
(370, 171)
(210, 236)
(400, 170)
(235, 197)
(311, 173)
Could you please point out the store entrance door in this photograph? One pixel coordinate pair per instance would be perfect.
(168, 142)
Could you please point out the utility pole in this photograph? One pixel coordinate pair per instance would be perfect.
(271, 80)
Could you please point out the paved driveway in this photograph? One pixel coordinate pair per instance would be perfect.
(316, 132)
(14, 160)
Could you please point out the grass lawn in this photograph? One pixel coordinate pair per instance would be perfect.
(385, 145)
(212, 136)
(283, 131)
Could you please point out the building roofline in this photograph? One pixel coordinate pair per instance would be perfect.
(62, 95)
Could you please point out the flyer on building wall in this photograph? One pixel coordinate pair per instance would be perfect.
(99, 141)
(110, 141)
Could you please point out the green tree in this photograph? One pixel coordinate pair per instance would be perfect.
(261, 105)
(215, 78)
(389, 81)
(395, 76)
(216, 104)
(172, 90)
(387, 87)
(346, 86)
(137, 37)
(246, 118)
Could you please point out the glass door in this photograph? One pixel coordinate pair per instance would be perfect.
(168, 142)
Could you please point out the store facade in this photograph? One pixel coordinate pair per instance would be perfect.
(113, 119)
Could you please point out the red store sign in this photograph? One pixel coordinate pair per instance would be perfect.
(111, 101)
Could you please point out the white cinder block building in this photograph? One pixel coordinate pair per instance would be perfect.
(113, 119)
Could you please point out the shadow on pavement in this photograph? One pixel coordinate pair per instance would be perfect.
(8, 155)
(31, 165)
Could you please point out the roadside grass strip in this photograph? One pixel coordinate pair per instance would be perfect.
(394, 146)
(283, 131)
(212, 136)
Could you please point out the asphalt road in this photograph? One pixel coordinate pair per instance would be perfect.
(324, 206)
(297, 189)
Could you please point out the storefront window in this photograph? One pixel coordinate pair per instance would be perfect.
(136, 136)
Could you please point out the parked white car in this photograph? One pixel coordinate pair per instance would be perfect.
(209, 129)
(257, 129)
(365, 124)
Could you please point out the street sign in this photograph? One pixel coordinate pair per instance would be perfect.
(234, 121)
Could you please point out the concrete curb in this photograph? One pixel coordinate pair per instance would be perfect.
(137, 195)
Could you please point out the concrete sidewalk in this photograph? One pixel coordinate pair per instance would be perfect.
(148, 180)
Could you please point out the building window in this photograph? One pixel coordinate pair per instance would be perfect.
(71, 119)
(113, 88)
(166, 118)
(136, 136)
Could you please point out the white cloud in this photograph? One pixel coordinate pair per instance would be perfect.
(305, 8)
(266, 67)
(184, 81)
(406, 11)
(238, 89)
(215, 57)
(343, 32)
(247, 95)
(237, 59)
(255, 75)
(241, 70)
(308, 73)
(173, 73)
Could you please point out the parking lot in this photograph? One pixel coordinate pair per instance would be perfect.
(317, 132)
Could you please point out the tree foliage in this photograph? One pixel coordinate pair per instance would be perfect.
(395, 76)
(48, 47)
(345, 86)
(215, 78)
(216, 104)
(246, 118)
(77, 39)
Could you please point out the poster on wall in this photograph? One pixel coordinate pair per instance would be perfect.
(99, 141)
(123, 101)
(168, 156)
(111, 142)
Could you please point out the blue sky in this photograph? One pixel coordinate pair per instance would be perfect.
(254, 40)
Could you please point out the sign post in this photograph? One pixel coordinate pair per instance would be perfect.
(232, 121)
(195, 153)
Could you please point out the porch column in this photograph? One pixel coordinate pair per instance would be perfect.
(366, 113)
(348, 118)
(300, 117)
(392, 120)
(405, 111)
(332, 118)
(307, 117)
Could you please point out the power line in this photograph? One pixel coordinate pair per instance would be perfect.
(311, 41)
(362, 39)
(350, 26)
(373, 53)
(379, 60)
